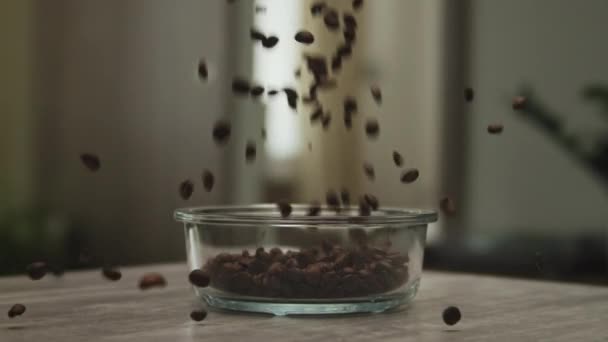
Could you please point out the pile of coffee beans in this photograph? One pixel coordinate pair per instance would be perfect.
(326, 272)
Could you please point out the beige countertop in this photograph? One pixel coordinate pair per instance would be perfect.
(84, 307)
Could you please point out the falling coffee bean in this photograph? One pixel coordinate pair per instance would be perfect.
(357, 4)
(345, 197)
(257, 35)
(152, 280)
(447, 206)
(469, 94)
(332, 21)
(350, 105)
(199, 278)
(369, 171)
(208, 180)
(186, 189)
(350, 35)
(250, 152)
(305, 37)
(397, 158)
(317, 66)
(372, 201)
(111, 274)
(336, 63)
(316, 115)
(372, 128)
(326, 121)
(410, 176)
(284, 208)
(451, 315)
(203, 73)
(345, 50)
(349, 20)
(273, 92)
(519, 103)
(221, 132)
(198, 315)
(257, 91)
(90, 161)
(37, 270)
(495, 129)
(240, 86)
(270, 42)
(16, 310)
(317, 8)
(292, 97)
(376, 94)
(314, 209)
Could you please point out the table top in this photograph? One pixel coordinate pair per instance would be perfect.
(83, 306)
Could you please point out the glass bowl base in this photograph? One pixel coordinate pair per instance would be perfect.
(276, 307)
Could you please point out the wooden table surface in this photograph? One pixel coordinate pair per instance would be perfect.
(84, 307)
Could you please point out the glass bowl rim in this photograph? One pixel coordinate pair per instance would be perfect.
(237, 214)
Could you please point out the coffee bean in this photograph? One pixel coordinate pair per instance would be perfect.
(372, 201)
(240, 86)
(369, 171)
(376, 94)
(350, 105)
(284, 208)
(257, 91)
(349, 20)
(350, 35)
(495, 129)
(364, 208)
(198, 315)
(336, 63)
(397, 158)
(317, 66)
(519, 103)
(447, 206)
(199, 278)
(326, 121)
(152, 280)
(469, 94)
(410, 176)
(292, 97)
(357, 4)
(305, 37)
(16, 310)
(90, 161)
(111, 274)
(333, 200)
(186, 189)
(37, 270)
(332, 21)
(273, 92)
(317, 8)
(221, 132)
(316, 115)
(208, 180)
(203, 73)
(314, 209)
(250, 152)
(451, 315)
(345, 197)
(270, 42)
(257, 35)
(345, 50)
(372, 128)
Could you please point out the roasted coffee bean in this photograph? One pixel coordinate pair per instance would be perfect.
(469, 94)
(345, 197)
(316, 115)
(257, 91)
(270, 42)
(357, 4)
(409, 176)
(326, 121)
(240, 86)
(451, 315)
(350, 35)
(350, 105)
(376, 94)
(369, 171)
(221, 132)
(314, 209)
(317, 8)
(364, 208)
(519, 103)
(152, 280)
(111, 273)
(198, 315)
(345, 50)
(336, 63)
(285, 209)
(186, 189)
(273, 92)
(37, 270)
(292, 97)
(495, 129)
(447, 206)
(208, 180)
(349, 20)
(372, 128)
(199, 278)
(90, 161)
(16, 310)
(203, 73)
(305, 37)
(333, 200)
(332, 20)
(257, 35)
(317, 66)
(250, 152)
(397, 158)
(372, 201)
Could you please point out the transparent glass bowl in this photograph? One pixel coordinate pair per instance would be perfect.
(337, 262)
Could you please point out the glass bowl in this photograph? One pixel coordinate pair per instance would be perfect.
(336, 262)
